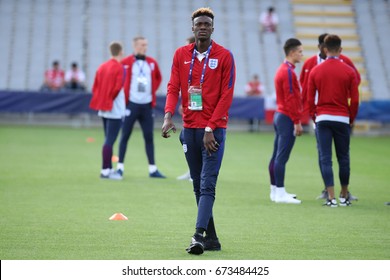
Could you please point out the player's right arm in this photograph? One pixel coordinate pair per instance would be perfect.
(173, 91)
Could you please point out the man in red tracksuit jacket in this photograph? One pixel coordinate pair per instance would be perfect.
(287, 120)
(334, 113)
(145, 79)
(309, 64)
(204, 73)
(109, 99)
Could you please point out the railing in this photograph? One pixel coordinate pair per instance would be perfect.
(74, 103)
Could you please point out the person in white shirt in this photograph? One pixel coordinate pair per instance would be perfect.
(145, 79)
(75, 78)
(269, 20)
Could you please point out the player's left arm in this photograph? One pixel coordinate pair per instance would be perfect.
(354, 94)
(293, 97)
(157, 74)
(227, 89)
(348, 61)
(118, 79)
(311, 92)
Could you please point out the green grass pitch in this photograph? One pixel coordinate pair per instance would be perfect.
(54, 206)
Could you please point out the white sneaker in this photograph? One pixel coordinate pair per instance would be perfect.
(281, 196)
(185, 176)
(272, 193)
(112, 176)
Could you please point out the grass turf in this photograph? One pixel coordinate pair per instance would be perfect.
(54, 205)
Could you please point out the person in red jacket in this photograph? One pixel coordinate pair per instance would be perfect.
(109, 98)
(254, 88)
(54, 78)
(204, 73)
(334, 113)
(309, 64)
(287, 120)
(313, 61)
(145, 78)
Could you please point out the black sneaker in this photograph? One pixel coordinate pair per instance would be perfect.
(156, 174)
(344, 201)
(331, 203)
(211, 244)
(197, 245)
(119, 171)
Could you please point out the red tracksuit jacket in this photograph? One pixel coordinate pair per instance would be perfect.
(156, 75)
(109, 80)
(304, 76)
(288, 92)
(217, 90)
(336, 83)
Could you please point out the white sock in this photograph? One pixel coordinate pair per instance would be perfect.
(280, 191)
(152, 168)
(272, 192)
(120, 166)
(105, 172)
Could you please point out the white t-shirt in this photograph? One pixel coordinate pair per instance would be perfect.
(268, 20)
(118, 108)
(141, 82)
(78, 75)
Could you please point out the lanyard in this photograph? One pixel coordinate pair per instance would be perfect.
(141, 63)
(204, 66)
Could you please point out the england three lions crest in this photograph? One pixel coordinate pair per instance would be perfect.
(213, 63)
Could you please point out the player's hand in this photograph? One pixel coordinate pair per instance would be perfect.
(167, 128)
(298, 130)
(210, 144)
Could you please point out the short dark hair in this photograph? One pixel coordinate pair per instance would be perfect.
(321, 38)
(115, 48)
(332, 42)
(291, 44)
(205, 11)
(74, 64)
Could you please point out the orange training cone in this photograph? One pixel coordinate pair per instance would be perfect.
(118, 217)
(114, 158)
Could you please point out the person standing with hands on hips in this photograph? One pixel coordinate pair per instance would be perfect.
(145, 78)
(287, 120)
(204, 73)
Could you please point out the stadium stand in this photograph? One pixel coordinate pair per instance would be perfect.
(373, 21)
(72, 30)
